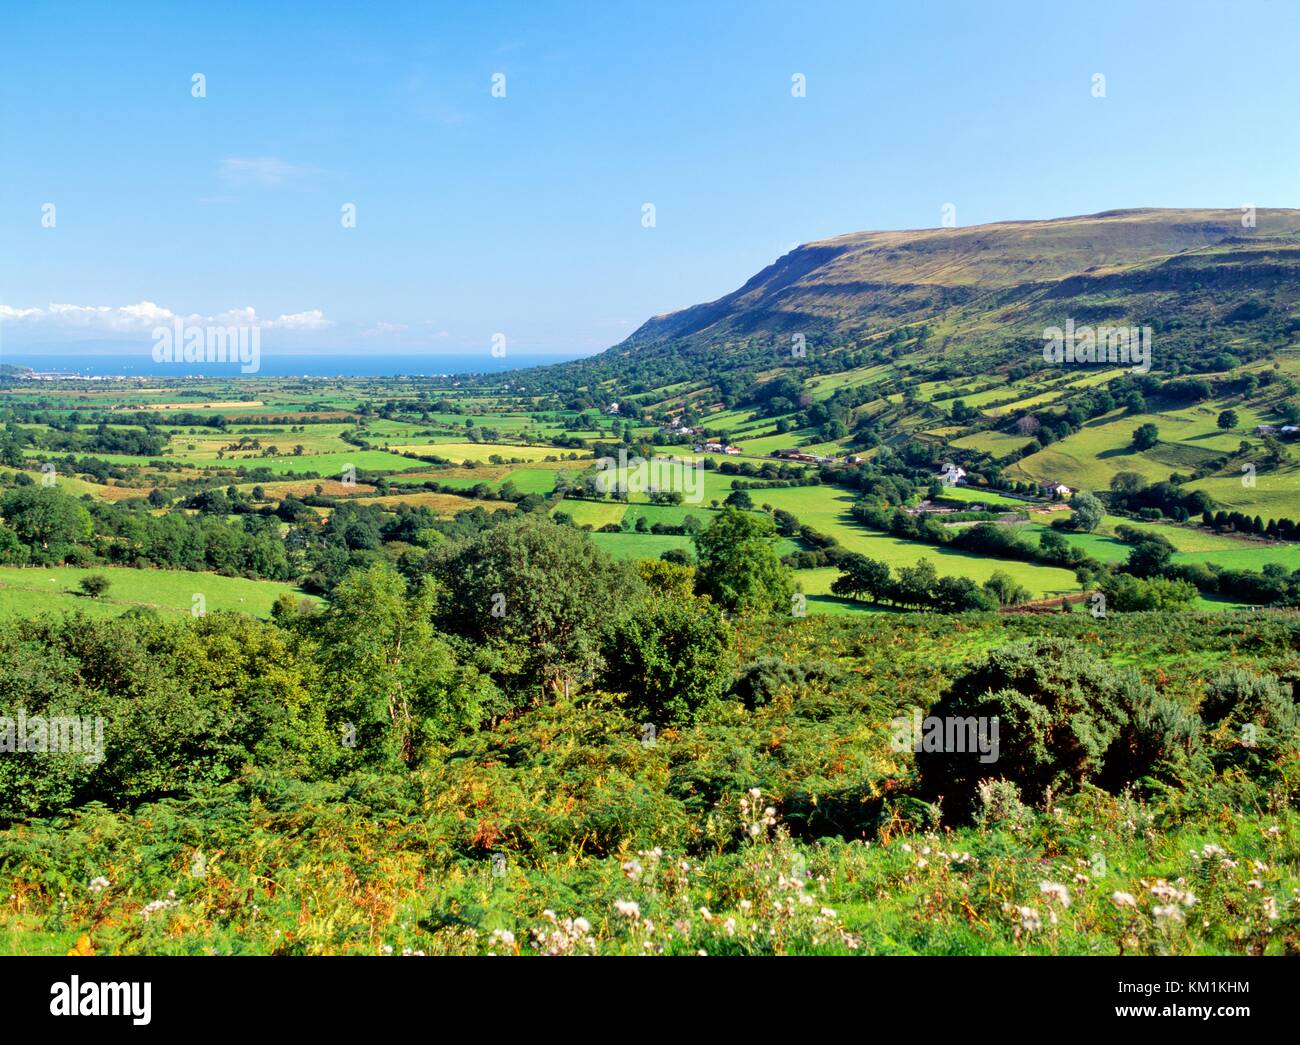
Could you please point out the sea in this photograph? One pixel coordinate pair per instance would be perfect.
(279, 365)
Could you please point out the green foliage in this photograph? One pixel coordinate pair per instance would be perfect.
(1086, 511)
(670, 656)
(1145, 436)
(1058, 709)
(393, 686)
(95, 584)
(761, 680)
(1126, 593)
(533, 597)
(46, 519)
(738, 565)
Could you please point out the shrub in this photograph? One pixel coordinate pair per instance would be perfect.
(1059, 710)
(761, 680)
(95, 584)
(999, 805)
(670, 657)
(1253, 716)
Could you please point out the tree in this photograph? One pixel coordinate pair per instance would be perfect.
(534, 596)
(1005, 589)
(1086, 511)
(670, 656)
(47, 520)
(95, 584)
(740, 499)
(1228, 419)
(393, 684)
(1145, 436)
(861, 577)
(915, 585)
(1126, 484)
(738, 565)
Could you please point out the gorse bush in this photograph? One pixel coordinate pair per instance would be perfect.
(1062, 713)
(1253, 717)
(761, 680)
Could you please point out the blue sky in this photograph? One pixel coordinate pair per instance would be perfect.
(523, 215)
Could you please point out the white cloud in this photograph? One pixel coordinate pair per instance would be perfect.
(382, 327)
(311, 320)
(9, 312)
(259, 170)
(145, 315)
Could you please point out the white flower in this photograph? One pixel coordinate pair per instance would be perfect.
(1124, 899)
(98, 885)
(755, 793)
(628, 908)
(1055, 891)
(1169, 912)
(582, 925)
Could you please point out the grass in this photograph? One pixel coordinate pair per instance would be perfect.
(459, 452)
(826, 509)
(27, 592)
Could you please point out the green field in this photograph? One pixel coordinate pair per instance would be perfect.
(26, 592)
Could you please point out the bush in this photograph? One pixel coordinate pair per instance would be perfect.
(670, 658)
(95, 584)
(761, 680)
(1059, 711)
(1254, 716)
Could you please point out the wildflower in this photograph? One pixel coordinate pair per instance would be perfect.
(704, 913)
(1055, 891)
(582, 925)
(730, 926)
(1270, 908)
(98, 885)
(1123, 899)
(745, 905)
(628, 908)
(1030, 921)
(504, 936)
(1168, 912)
(1273, 831)
(755, 793)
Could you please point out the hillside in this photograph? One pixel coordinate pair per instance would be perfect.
(937, 336)
(865, 282)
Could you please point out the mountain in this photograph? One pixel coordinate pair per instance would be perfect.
(871, 280)
(985, 288)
